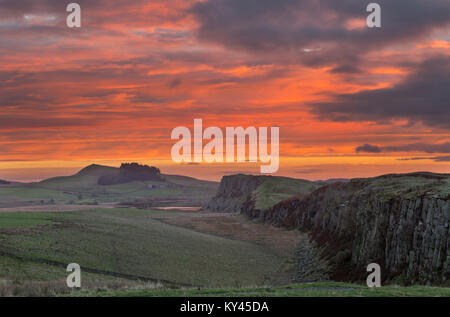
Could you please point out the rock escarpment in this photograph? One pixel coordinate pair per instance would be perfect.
(398, 221)
(233, 191)
(130, 172)
(264, 191)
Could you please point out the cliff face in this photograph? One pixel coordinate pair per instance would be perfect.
(409, 236)
(264, 191)
(233, 191)
(398, 221)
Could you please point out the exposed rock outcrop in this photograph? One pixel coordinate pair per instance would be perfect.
(398, 221)
(309, 263)
(263, 191)
(233, 191)
(130, 172)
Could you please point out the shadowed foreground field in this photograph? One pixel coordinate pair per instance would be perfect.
(323, 289)
(136, 244)
(131, 252)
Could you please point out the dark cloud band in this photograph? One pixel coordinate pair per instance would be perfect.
(414, 147)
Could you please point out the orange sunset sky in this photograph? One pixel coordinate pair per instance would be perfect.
(350, 101)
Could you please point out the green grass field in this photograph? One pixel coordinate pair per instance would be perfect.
(323, 289)
(148, 252)
(8, 220)
(136, 242)
(276, 189)
(131, 241)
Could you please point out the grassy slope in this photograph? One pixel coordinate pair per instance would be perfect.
(20, 271)
(323, 289)
(82, 188)
(408, 186)
(21, 219)
(132, 242)
(276, 189)
(127, 241)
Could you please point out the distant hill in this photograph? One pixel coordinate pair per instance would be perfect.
(334, 180)
(3, 182)
(84, 188)
(263, 191)
(97, 170)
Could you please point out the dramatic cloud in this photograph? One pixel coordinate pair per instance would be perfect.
(24, 122)
(115, 88)
(368, 148)
(420, 147)
(436, 158)
(316, 32)
(308, 170)
(442, 158)
(414, 147)
(423, 96)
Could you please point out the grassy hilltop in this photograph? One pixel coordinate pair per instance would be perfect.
(83, 188)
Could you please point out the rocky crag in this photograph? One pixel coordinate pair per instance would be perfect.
(398, 221)
(265, 191)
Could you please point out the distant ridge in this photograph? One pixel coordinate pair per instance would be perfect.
(95, 169)
(132, 185)
(335, 180)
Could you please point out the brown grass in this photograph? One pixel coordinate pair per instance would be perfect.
(238, 227)
(57, 288)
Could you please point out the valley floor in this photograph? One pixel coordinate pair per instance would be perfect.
(117, 246)
(133, 252)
